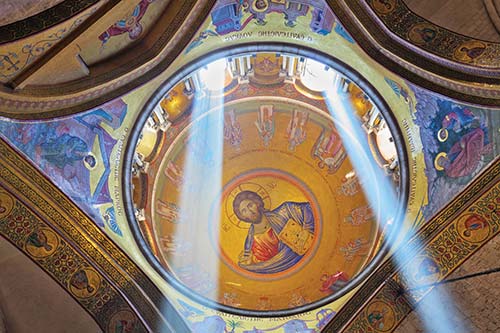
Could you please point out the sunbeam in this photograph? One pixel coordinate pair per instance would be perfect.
(381, 194)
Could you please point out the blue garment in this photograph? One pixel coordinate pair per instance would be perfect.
(64, 150)
(286, 258)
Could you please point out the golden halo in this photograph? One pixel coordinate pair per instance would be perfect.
(474, 44)
(93, 283)
(477, 235)
(384, 7)
(41, 252)
(387, 313)
(438, 166)
(254, 7)
(6, 204)
(440, 137)
(246, 186)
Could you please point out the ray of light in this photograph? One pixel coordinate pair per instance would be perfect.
(381, 195)
(200, 182)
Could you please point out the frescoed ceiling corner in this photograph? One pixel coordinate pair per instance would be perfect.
(90, 56)
(482, 16)
(47, 227)
(78, 79)
(427, 260)
(449, 55)
(464, 291)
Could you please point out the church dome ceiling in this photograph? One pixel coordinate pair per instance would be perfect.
(247, 166)
(244, 187)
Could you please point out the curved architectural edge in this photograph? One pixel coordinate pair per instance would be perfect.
(78, 96)
(400, 59)
(44, 20)
(55, 234)
(438, 42)
(390, 285)
(425, 35)
(84, 94)
(493, 11)
(335, 64)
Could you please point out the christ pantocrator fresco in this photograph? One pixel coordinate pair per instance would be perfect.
(277, 239)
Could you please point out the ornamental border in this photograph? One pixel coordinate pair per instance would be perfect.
(59, 213)
(378, 283)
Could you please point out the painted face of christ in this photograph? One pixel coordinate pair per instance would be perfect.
(248, 207)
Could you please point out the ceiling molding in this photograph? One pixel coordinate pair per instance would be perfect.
(24, 76)
(138, 65)
(43, 20)
(79, 256)
(417, 31)
(493, 10)
(465, 82)
(108, 80)
(389, 284)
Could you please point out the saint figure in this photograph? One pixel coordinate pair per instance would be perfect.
(474, 222)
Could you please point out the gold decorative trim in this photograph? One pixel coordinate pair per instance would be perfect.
(464, 82)
(418, 31)
(390, 283)
(44, 20)
(50, 229)
(69, 98)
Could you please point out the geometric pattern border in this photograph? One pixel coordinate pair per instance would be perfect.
(414, 29)
(452, 236)
(43, 20)
(44, 224)
(411, 62)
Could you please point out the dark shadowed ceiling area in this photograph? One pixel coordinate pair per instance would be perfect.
(13, 10)
(30, 298)
(475, 18)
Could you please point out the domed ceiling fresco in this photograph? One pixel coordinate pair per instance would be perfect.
(262, 177)
(250, 191)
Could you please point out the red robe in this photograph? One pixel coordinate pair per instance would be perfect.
(265, 245)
